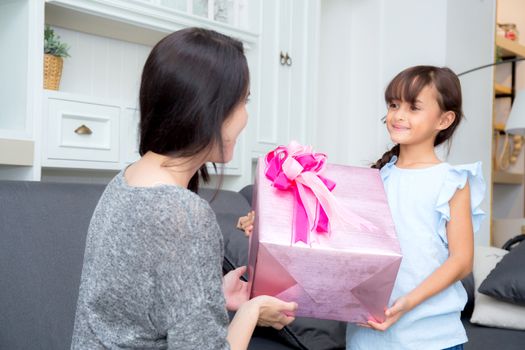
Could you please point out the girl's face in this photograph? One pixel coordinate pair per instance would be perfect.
(231, 128)
(410, 124)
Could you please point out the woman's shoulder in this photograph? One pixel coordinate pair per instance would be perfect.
(163, 202)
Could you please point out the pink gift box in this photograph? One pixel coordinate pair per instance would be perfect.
(347, 274)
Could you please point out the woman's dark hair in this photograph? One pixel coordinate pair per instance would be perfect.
(407, 85)
(191, 82)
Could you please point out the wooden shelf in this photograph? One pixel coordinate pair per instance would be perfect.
(498, 126)
(503, 177)
(509, 47)
(502, 89)
(16, 152)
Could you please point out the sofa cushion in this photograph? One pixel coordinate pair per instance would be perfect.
(228, 207)
(489, 311)
(506, 281)
(468, 284)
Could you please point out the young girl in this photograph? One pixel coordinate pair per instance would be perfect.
(435, 208)
(152, 275)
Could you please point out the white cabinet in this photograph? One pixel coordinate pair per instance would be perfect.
(288, 75)
(92, 122)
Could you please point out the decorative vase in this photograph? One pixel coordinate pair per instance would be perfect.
(52, 71)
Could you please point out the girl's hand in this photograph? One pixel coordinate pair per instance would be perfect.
(235, 290)
(245, 223)
(274, 312)
(400, 307)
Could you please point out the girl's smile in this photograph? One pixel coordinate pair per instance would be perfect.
(399, 127)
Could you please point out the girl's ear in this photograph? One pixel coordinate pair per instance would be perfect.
(446, 120)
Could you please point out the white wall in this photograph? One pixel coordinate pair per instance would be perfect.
(349, 108)
(470, 35)
(365, 43)
(413, 34)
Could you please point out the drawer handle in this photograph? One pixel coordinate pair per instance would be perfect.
(83, 130)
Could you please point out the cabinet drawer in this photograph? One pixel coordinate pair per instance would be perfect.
(82, 131)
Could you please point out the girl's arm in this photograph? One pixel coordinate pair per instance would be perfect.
(262, 310)
(457, 266)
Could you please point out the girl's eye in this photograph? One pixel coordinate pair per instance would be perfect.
(414, 108)
(392, 105)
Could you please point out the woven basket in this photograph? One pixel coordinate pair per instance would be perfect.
(52, 71)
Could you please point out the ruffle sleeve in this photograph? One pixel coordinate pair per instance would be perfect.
(456, 178)
(387, 168)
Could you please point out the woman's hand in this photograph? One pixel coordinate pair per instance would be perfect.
(263, 311)
(245, 223)
(235, 290)
(400, 307)
(274, 312)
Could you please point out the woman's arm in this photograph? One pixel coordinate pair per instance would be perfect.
(190, 303)
(457, 266)
(262, 310)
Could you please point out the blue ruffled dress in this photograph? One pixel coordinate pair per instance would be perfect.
(419, 203)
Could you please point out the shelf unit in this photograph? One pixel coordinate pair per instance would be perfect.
(29, 143)
(137, 25)
(110, 40)
(508, 49)
(19, 93)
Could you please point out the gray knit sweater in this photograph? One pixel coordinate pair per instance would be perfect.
(152, 276)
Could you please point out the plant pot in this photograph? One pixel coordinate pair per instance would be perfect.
(52, 71)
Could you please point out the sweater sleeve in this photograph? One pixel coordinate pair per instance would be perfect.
(191, 308)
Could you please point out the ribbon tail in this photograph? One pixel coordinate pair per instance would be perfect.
(322, 223)
(307, 197)
(329, 203)
(300, 229)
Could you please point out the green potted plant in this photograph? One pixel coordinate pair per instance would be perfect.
(54, 51)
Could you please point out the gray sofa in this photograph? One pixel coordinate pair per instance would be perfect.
(42, 236)
(481, 337)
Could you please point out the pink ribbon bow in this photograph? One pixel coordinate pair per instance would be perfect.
(298, 169)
